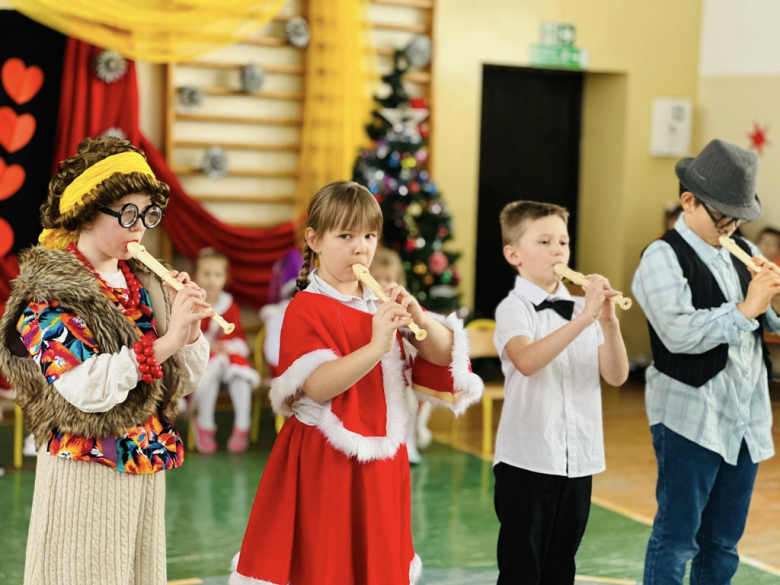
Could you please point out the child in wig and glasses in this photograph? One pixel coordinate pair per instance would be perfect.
(100, 352)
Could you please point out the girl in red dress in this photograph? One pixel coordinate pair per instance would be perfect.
(333, 506)
(228, 363)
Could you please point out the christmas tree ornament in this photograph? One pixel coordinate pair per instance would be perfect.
(438, 263)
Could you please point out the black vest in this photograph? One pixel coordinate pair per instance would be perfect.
(698, 369)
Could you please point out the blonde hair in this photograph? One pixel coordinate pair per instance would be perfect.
(516, 216)
(387, 258)
(343, 205)
(210, 253)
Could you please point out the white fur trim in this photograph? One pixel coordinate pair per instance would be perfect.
(290, 383)
(224, 300)
(288, 289)
(213, 331)
(464, 381)
(270, 311)
(237, 346)
(411, 351)
(415, 570)
(374, 448)
(248, 373)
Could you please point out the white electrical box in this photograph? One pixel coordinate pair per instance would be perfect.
(670, 133)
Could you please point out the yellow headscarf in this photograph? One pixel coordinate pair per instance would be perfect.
(82, 190)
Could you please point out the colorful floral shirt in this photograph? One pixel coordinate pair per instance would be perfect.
(58, 340)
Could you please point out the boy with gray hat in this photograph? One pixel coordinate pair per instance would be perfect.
(707, 393)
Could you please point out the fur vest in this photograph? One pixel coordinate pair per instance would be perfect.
(47, 275)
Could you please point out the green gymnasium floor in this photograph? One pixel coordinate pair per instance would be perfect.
(453, 521)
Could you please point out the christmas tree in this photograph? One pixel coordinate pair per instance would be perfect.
(416, 221)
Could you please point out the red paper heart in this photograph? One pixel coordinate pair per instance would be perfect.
(15, 131)
(6, 237)
(11, 179)
(20, 82)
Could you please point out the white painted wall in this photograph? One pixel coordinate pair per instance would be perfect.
(740, 37)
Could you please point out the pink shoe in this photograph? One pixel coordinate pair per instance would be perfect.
(238, 441)
(204, 440)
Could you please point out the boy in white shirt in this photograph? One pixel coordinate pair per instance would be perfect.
(554, 348)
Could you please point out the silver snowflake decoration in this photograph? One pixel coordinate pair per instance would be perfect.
(297, 32)
(215, 163)
(115, 132)
(191, 97)
(110, 66)
(252, 78)
(418, 51)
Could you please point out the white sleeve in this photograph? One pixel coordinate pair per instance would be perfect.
(193, 359)
(513, 319)
(101, 382)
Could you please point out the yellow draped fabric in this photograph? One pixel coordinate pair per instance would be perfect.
(158, 31)
(340, 69)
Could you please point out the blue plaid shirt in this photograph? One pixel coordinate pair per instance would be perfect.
(734, 405)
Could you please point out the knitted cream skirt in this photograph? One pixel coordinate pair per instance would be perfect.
(91, 525)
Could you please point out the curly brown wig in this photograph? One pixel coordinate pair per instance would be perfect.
(117, 186)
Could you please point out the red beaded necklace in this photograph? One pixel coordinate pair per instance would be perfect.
(132, 282)
(144, 353)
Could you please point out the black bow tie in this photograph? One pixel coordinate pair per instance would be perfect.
(564, 308)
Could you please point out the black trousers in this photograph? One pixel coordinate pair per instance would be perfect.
(543, 518)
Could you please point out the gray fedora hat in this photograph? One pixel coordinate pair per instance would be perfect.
(723, 176)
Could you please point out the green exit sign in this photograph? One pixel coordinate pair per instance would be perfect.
(565, 57)
(556, 47)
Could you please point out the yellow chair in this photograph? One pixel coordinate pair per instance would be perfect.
(480, 334)
(18, 436)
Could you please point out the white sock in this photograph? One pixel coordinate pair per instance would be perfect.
(423, 432)
(206, 396)
(411, 433)
(241, 395)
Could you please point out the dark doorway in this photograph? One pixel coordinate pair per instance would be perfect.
(529, 149)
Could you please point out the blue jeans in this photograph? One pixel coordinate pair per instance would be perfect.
(702, 509)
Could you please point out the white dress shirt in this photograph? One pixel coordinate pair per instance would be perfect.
(551, 421)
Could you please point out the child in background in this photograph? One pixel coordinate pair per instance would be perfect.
(769, 244)
(387, 269)
(228, 362)
(673, 212)
(281, 289)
